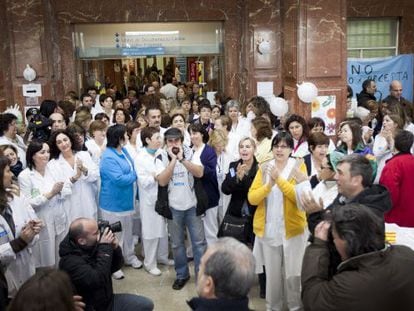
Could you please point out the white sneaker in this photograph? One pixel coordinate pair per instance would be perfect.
(118, 275)
(166, 262)
(135, 263)
(154, 271)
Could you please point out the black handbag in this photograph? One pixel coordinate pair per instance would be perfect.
(235, 227)
(162, 205)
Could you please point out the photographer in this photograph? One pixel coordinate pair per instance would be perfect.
(373, 275)
(90, 257)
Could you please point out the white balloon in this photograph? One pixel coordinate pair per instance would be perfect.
(29, 73)
(307, 92)
(278, 106)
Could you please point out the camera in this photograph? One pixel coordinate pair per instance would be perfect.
(115, 227)
(39, 125)
(175, 150)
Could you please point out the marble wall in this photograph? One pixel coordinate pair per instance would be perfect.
(307, 38)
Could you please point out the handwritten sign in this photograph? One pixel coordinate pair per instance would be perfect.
(382, 71)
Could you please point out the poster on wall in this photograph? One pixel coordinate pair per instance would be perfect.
(382, 71)
(324, 107)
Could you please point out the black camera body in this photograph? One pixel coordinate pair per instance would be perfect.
(39, 125)
(115, 227)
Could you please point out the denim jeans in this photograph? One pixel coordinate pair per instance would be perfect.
(130, 302)
(176, 227)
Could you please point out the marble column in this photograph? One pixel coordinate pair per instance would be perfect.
(314, 50)
(263, 25)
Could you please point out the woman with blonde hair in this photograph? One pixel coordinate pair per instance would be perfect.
(218, 140)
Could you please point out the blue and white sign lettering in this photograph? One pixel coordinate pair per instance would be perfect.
(382, 71)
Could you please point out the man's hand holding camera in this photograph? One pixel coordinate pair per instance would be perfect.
(108, 237)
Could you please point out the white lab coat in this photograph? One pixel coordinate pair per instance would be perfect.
(33, 185)
(146, 166)
(20, 266)
(80, 197)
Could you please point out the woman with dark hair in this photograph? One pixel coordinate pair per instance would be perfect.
(97, 144)
(48, 290)
(261, 131)
(178, 121)
(133, 144)
(205, 156)
(186, 108)
(317, 125)
(116, 199)
(19, 227)
(10, 151)
(318, 149)
(180, 95)
(121, 116)
(42, 189)
(279, 225)
(298, 129)
(79, 133)
(8, 135)
(350, 134)
(101, 116)
(107, 103)
(78, 172)
(154, 227)
(47, 107)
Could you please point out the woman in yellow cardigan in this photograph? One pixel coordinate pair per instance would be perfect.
(279, 225)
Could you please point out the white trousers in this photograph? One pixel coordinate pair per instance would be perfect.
(280, 292)
(125, 236)
(155, 249)
(211, 225)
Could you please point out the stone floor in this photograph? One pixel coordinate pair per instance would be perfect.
(158, 288)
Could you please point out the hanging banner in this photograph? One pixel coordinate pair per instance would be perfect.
(382, 71)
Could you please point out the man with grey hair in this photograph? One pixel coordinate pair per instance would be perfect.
(227, 272)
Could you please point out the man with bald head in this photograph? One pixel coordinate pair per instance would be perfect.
(227, 272)
(395, 96)
(90, 256)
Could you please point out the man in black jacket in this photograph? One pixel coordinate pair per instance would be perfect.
(90, 258)
(225, 277)
(368, 90)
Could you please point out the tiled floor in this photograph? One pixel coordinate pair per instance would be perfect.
(158, 288)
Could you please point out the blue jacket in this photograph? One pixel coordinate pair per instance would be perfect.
(117, 181)
(209, 180)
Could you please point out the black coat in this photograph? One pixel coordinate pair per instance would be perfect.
(238, 189)
(363, 97)
(90, 272)
(219, 304)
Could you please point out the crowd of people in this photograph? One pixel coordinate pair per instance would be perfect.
(88, 179)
